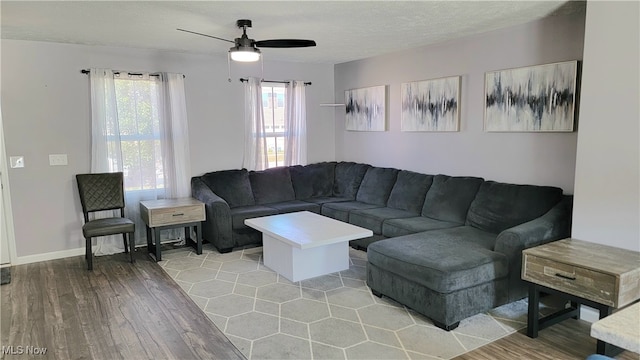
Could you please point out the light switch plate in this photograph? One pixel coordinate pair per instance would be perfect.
(57, 159)
(16, 161)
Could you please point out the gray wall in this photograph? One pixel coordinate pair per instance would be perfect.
(45, 105)
(607, 197)
(533, 158)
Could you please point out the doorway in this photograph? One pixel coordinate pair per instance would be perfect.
(6, 219)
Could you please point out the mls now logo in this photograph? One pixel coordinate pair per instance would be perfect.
(23, 350)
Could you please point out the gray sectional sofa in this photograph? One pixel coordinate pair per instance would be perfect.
(448, 247)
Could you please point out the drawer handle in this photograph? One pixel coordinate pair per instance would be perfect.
(181, 214)
(565, 276)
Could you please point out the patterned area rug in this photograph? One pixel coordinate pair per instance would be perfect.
(330, 317)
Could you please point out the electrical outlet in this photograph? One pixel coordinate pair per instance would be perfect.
(58, 159)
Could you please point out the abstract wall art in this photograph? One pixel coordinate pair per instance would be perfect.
(431, 105)
(366, 110)
(531, 99)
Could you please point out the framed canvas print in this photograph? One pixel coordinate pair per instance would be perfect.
(431, 105)
(366, 110)
(531, 99)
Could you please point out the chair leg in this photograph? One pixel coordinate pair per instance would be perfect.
(89, 255)
(131, 247)
(124, 239)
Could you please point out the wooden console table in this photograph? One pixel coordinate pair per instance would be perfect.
(599, 276)
(170, 214)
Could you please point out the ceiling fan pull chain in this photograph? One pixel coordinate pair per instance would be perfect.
(229, 66)
(262, 66)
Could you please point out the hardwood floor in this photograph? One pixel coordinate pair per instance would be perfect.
(566, 340)
(136, 311)
(118, 311)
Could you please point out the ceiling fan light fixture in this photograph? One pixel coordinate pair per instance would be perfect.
(244, 54)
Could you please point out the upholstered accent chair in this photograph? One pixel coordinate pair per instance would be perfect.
(99, 192)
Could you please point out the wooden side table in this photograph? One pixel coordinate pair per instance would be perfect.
(599, 276)
(170, 214)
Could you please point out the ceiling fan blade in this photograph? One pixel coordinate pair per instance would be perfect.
(285, 43)
(197, 33)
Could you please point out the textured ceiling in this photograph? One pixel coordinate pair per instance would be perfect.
(343, 30)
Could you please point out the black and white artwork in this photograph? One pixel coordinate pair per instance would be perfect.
(431, 105)
(366, 109)
(531, 99)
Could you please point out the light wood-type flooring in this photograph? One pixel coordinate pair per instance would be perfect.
(136, 311)
(566, 340)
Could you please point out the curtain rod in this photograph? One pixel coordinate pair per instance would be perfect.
(87, 71)
(273, 81)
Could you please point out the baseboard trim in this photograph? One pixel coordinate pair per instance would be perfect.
(21, 260)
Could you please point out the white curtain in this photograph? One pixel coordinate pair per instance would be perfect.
(255, 143)
(296, 124)
(174, 133)
(106, 155)
(168, 104)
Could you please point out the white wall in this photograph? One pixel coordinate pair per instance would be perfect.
(45, 104)
(531, 158)
(607, 187)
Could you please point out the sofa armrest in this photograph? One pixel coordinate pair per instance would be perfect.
(553, 225)
(217, 227)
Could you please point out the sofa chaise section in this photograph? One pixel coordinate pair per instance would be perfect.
(451, 274)
(447, 274)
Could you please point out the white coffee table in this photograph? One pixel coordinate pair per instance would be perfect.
(304, 245)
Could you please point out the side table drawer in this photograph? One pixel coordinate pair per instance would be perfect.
(575, 280)
(176, 215)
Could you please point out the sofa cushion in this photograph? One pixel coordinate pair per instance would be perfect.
(326, 199)
(499, 206)
(239, 214)
(409, 191)
(340, 210)
(412, 225)
(348, 176)
(376, 185)
(372, 219)
(231, 185)
(449, 198)
(271, 185)
(441, 260)
(295, 205)
(313, 180)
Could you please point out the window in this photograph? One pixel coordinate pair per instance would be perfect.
(137, 103)
(275, 124)
(273, 107)
(139, 127)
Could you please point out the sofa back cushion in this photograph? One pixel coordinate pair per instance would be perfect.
(231, 185)
(348, 176)
(313, 180)
(499, 206)
(376, 185)
(271, 185)
(409, 191)
(449, 197)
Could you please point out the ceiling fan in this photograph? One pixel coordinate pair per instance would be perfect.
(246, 49)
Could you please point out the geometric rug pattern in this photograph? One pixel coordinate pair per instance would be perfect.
(334, 316)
